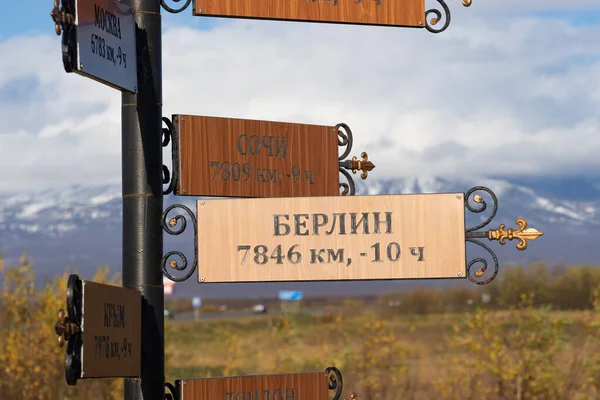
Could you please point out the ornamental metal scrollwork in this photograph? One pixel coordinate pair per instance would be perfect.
(63, 15)
(335, 381)
(173, 395)
(170, 135)
(169, 227)
(345, 139)
(522, 234)
(68, 329)
(445, 13)
(164, 5)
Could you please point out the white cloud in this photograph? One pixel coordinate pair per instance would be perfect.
(500, 92)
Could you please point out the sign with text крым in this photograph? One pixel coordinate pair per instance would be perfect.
(225, 157)
(111, 331)
(302, 386)
(407, 13)
(416, 236)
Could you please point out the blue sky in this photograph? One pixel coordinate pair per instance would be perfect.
(33, 17)
(512, 88)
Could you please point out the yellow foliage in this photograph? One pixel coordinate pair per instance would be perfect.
(506, 355)
(32, 363)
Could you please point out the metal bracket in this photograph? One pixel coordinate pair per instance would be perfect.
(164, 5)
(168, 227)
(174, 393)
(170, 135)
(523, 234)
(345, 139)
(68, 329)
(335, 381)
(63, 15)
(430, 23)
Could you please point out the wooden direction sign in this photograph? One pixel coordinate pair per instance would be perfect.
(100, 42)
(104, 331)
(302, 386)
(332, 238)
(408, 13)
(224, 157)
(111, 327)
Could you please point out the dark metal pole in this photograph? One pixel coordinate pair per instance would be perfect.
(143, 199)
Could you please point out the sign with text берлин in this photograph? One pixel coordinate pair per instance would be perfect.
(417, 236)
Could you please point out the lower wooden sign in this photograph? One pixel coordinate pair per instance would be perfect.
(303, 386)
(112, 329)
(103, 329)
(416, 236)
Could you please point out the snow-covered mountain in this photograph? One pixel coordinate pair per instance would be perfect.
(81, 225)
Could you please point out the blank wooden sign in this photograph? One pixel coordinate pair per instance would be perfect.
(408, 13)
(417, 236)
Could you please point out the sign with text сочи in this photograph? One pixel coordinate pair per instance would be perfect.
(409, 13)
(111, 331)
(417, 236)
(226, 157)
(301, 386)
(105, 43)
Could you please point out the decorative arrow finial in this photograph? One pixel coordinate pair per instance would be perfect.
(64, 328)
(364, 165)
(60, 18)
(523, 234)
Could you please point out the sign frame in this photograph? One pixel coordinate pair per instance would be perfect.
(366, 12)
(430, 209)
(92, 59)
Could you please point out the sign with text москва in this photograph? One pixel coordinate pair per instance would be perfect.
(111, 331)
(106, 43)
(226, 157)
(408, 13)
(301, 386)
(416, 236)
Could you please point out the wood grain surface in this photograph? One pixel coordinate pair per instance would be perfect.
(422, 236)
(112, 331)
(408, 13)
(303, 386)
(226, 157)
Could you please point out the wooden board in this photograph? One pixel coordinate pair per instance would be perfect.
(409, 13)
(406, 237)
(111, 331)
(304, 386)
(225, 157)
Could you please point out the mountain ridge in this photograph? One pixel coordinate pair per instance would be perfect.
(81, 225)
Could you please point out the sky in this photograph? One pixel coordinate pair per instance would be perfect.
(511, 88)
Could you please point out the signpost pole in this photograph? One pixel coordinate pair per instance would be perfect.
(143, 198)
